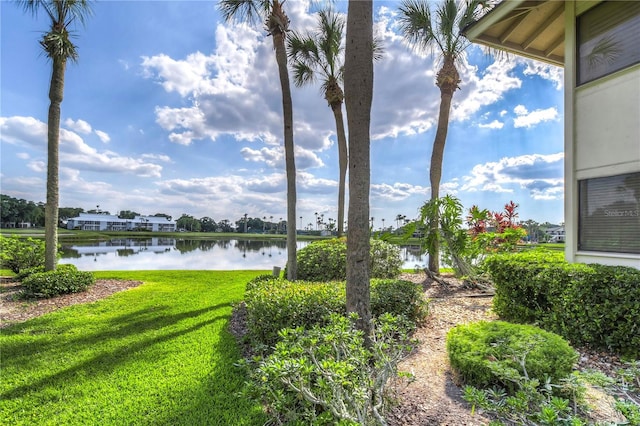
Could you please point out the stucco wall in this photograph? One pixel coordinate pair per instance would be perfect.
(602, 135)
(607, 125)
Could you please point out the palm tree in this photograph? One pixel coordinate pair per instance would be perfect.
(277, 23)
(358, 87)
(59, 48)
(440, 32)
(319, 55)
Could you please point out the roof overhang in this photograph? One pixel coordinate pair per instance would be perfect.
(529, 28)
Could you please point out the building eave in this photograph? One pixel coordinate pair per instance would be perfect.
(530, 28)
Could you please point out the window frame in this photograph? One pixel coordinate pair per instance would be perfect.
(595, 10)
(591, 239)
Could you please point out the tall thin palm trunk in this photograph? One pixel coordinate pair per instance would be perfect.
(56, 90)
(358, 95)
(447, 80)
(342, 163)
(290, 165)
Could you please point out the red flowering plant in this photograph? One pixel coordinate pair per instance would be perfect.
(493, 232)
(465, 249)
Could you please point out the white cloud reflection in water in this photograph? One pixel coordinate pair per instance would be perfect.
(186, 254)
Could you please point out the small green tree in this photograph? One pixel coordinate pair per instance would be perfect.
(465, 248)
(20, 254)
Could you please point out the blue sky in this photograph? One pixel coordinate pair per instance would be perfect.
(171, 110)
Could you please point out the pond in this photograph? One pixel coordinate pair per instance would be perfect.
(194, 254)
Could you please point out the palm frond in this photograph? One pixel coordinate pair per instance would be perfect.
(76, 10)
(302, 74)
(250, 11)
(416, 25)
(62, 13)
(58, 45)
(447, 14)
(473, 10)
(318, 54)
(378, 48)
(302, 49)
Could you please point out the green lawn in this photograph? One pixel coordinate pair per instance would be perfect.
(159, 354)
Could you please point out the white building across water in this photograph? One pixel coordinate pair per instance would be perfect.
(104, 222)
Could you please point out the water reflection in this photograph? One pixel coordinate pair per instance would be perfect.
(194, 254)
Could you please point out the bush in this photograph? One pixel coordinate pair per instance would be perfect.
(326, 260)
(386, 261)
(274, 304)
(325, 375)
(398, 297)
(65, 279)
(19, 254)
(498, 353)
(517, 297)
(595, 304)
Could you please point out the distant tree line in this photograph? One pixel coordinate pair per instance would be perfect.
(21, 213)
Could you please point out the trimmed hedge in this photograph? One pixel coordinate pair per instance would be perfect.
(326, 260)
(274, 304)
(64, 279)
(484, 353)
(594, 304)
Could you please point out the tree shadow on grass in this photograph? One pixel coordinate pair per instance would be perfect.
(104, 363)
(216, 400)
(125, 326)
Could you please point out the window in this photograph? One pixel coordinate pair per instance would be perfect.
(608, 39)
(609, 217)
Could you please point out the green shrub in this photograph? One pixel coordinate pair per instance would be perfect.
(386, 261)
(517, 296)
(326, 260)
(259, 280)
(24, 273)
(19, 254)
(274, 304)
(398, 297)
(596, 305)
(65, 279)
(493, 353)
(325, 375)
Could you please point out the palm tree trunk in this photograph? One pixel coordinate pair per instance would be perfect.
(56, 90)
(290, 164)
(447, 88)
(342, 161)
(358, 94)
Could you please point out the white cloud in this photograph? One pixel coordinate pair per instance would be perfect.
(23, 156)
(79, 126)
(541, 174)
(234, 90)
(104, 137)
(484, 90)
(529, 119)
(397, 191)
(159, 157)
(37, 166)
(274, 157)
(495, 124)
(545, 71)
(30, 132)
